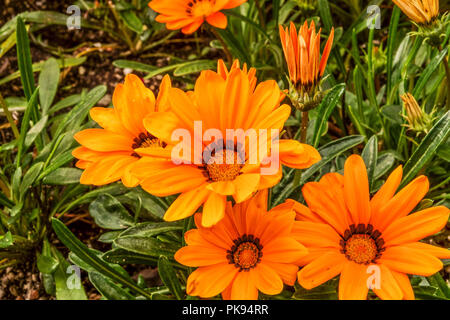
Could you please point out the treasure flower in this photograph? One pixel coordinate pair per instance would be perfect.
(368, 242)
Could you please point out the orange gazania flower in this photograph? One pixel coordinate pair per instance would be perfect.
(348, 233)
(419, 11)
(220, 101)
(250, 249)
(107, 154)
(302, 53)
(189, 15)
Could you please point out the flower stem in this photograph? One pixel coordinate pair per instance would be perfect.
(304, 126)
(224, 45)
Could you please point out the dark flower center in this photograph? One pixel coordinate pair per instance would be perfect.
(146, 140)
(362, 244)
(246, 252)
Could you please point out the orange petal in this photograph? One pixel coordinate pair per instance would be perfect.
(322, 269)
(385, 194)
(283, 250)
(321, 203)
(213, 209)
(404, 284)
(199, 256)
(103, 140)
(191, 28)
(438, 252)
(313, 234)
(286, 271)
(402, 203)
(389, 288)
(266, 279)
(218, 20)
(174, 180)
(416, 226)
(209, 281)
(107, 119)
(411, 261)
(353, 282)
(244, 288)
(245, 185)
(356, 189)
(186, 204)
(225, 188)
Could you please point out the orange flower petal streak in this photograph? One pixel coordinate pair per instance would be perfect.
(351, 235)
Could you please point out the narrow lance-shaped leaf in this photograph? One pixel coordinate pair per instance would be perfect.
(370, 156)
(169, 277)
(82, 251)
(427, 148)
(48, 83)
(324, 111)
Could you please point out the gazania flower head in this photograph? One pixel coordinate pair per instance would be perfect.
(189, 15)
(419, 11)
(305, 65)
(107, 153)
(425, 14)
(250, 249)
(368, 242)
(418, 120)
(218, 166)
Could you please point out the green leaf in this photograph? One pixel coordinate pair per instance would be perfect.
(109, 213)
(194, 67)
(384, 163)
(323, 292)
(330, 151)
(64, 103)
(48, 83)
(390, 47)
(58, 161)
(80, 249)
(109, 237)
(131, 21)
(428, 72)
(146, 246)
(67, 281)
(6, 240)
(370, 156)
(35, 131)
(15, 183)
(32, 103)
(47, 264)
(136, 66)
(427, 148)
(437, 280)
(148, 229)
(76, 116)
(169, 277)
(63, 63)
(63, 176)
(122, 256)
(325, 109)
(30, 177)
(108, 289)
(24, 59)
